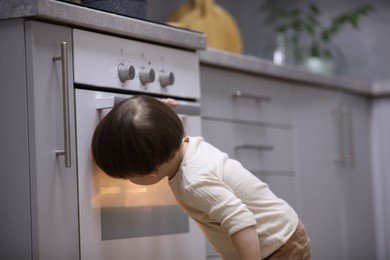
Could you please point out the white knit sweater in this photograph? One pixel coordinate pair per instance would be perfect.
(223, 198)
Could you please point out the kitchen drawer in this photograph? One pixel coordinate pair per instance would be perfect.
(262, 100)
(262, 150)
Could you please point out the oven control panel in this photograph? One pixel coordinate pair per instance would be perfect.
(103, 61)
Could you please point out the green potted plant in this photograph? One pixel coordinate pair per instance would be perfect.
(310, 40)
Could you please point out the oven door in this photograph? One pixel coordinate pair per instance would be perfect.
(121, 220)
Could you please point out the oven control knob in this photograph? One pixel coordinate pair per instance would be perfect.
(146, 75)
(125, 72)
(166, 78)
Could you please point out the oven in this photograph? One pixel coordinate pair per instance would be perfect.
(118, 219)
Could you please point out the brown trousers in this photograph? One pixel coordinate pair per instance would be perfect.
(296, 248)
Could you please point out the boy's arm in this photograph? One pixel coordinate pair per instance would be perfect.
(246, 243)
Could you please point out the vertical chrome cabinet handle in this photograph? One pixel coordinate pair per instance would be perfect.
(343, 123)
(347, 128)
(337, 114)
(65, 95)
(239, 94)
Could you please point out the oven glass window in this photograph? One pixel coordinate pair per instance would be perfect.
(129, 210)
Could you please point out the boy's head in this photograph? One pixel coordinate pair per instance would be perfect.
(136, 136)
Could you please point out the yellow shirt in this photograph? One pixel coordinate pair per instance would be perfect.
(223, 198)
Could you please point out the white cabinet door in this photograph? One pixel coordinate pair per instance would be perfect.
(319, 192)
(15, 216)
(356, 179)
(381, 170)
(53, 186)
(333, 165)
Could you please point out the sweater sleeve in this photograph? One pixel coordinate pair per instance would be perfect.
(212, 196)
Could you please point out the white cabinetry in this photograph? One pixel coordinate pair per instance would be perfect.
(380, 136)
(15, 218)
(54, 186)
(334, 169)
(37, 185)
(250, 118)
(310, 144)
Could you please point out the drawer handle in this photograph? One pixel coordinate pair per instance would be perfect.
(239, 94)
(254, 147)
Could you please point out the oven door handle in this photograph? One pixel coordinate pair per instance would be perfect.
(182, 107)
(187, 108)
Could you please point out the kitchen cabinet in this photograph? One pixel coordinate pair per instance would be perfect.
(332, 140)
(381, 173)
(310, 144)
(39, 194)
(14, 185)
(250, 118)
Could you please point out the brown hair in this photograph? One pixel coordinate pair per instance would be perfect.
(136, 136)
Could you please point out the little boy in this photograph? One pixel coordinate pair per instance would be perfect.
(143, 140)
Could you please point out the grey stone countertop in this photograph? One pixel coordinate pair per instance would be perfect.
(262, 67)
(81, 17)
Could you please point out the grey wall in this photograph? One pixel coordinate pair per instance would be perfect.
(365, 53)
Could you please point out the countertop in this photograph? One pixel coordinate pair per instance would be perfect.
(254, 65)
(82, 17)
